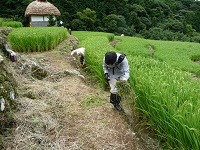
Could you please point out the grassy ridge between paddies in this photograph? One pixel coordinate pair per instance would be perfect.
(36, 39)
(169, 97)
(177, 54)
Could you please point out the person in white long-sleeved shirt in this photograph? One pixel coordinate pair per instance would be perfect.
(116, 67)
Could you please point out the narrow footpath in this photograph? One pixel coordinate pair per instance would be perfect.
(54, 112)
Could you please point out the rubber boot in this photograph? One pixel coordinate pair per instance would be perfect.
(115, 100)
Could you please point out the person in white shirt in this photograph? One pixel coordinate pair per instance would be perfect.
(115, 66)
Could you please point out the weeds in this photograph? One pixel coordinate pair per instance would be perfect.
(92, 101)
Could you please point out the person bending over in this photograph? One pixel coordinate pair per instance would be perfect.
(115, 67)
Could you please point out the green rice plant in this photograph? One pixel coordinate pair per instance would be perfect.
(82, 35)
(165, 94)
(96, 46)
(91, 101)
(170, 99)
(133, 46)
(177, 54)
(13, 24)
(36, 39)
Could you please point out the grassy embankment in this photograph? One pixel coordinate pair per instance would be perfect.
(166, 94)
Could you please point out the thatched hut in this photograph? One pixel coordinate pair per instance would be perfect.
(38, 12)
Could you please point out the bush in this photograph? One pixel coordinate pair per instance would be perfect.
(196, 38)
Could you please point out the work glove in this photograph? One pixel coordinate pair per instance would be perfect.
(107, 76)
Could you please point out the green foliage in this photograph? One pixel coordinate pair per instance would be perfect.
(174, 25)
(36, 39)
(1, 21)
(169, 98)
(96, 46)
(139, 16)
(113, 23)
(10, 23)
(88, 17)
(176, 54)
(78, 25)
(82, 35)
(91, 101)
(166, 95)
(196, 38)
(51, 20)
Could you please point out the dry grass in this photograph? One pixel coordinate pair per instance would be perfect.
(51, 115)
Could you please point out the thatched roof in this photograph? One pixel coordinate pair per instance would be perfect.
(41, 7)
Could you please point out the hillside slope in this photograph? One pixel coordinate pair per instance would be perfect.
(51, 113)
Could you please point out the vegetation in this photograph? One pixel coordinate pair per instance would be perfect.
(92, 101)
(13, 24)
(36, 39)
(10, 23)
(177, 54)
(1, 21)
(151, 19)
(169, 99)
(51, 21)
(8, 88)
(168, 96)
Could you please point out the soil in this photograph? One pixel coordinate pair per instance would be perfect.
(52, 115)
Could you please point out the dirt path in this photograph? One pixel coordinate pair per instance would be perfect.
(52, 114)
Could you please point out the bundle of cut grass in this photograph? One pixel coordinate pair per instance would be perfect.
(127, 98)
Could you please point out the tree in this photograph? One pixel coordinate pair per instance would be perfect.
(88, 17)
(141, 12)
(114, 22)
(78, 25)
(174, 25)
(189, 30)
(51, 21)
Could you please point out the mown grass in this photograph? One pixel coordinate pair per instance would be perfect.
(36, 39)
(166, 95)
(91, 101)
